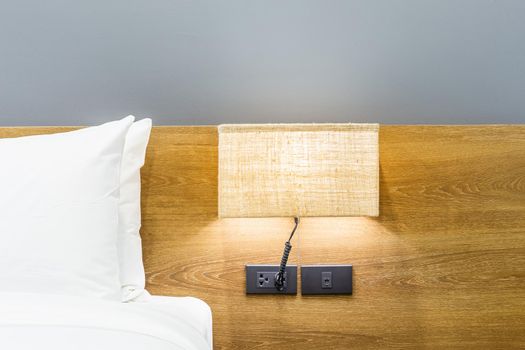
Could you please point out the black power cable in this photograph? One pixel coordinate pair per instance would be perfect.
(280, 276)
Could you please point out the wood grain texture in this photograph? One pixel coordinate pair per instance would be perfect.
(442, 267)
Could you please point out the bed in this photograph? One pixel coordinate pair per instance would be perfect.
(71, 252)
(31, 321)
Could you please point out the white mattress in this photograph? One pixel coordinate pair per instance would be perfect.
(33, 321)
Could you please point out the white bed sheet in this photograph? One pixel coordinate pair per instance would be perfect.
(34, 321)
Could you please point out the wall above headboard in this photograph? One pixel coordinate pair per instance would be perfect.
(442, 267)
(238, 61)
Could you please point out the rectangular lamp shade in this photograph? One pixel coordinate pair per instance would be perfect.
(272, 170)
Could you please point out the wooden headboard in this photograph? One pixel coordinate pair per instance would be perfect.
(442, 267)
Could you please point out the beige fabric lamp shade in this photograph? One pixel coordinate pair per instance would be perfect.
(272, 170)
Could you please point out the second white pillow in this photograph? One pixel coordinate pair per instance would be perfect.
(132, 276)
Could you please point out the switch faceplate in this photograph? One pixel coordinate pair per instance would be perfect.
(326, 279)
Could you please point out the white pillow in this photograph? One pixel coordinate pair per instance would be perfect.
(59, 207)
(132, 277)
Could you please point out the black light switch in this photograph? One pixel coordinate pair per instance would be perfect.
(326, 279)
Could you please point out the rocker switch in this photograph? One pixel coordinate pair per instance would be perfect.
(326, 280)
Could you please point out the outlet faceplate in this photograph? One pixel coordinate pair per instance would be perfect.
(260, 279)
(326, 279)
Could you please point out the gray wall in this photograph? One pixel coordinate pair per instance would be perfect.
(66, 62)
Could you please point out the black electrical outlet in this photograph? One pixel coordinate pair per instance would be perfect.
(260, 279)
(326, 279)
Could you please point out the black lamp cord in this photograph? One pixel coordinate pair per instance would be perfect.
(279, 276)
